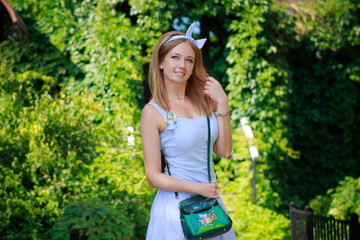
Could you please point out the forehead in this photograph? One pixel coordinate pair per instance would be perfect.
(183, 48)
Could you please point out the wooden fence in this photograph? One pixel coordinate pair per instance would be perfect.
(308, 226)
(77, 235)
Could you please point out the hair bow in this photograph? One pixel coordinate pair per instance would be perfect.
(198, 43)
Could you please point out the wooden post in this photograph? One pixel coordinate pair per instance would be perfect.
(354, 227)
(253, 180)
(292, 220)
(309, 223)
(75, 234)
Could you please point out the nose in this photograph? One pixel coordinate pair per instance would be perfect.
(182, 64)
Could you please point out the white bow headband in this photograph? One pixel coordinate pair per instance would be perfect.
(198, 43)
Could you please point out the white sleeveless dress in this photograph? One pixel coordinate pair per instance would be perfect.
(185, 149)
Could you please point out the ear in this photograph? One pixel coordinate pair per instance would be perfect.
(161, 66)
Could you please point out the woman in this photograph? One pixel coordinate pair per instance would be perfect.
(174, 123)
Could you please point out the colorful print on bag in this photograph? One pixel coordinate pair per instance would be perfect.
(214, 218)
(207, 218)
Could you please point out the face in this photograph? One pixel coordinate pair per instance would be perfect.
(178, 64)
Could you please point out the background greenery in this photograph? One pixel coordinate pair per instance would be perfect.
(72, 91)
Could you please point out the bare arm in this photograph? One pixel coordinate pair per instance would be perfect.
(150, 127)
(223, 145)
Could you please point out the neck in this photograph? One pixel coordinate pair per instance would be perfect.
(176, 92)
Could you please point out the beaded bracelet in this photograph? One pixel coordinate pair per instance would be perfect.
(221, 114)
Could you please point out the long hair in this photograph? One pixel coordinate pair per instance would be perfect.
(195, 84)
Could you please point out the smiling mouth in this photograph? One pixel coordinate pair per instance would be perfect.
(181, 74)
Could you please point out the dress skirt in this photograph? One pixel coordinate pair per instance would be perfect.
(165, 218)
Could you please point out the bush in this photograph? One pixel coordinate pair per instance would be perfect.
(341, 201)
(96, 218)
(249, 221)
(57, 150)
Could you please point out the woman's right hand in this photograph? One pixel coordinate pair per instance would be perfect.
(209, 190)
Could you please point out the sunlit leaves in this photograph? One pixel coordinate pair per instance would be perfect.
(341, 201)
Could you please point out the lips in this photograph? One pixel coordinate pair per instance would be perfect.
(180, 74)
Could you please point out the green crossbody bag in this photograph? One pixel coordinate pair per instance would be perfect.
(203, 217)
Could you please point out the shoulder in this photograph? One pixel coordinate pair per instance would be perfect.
(151, 118)
(152, 108)
(150, 111)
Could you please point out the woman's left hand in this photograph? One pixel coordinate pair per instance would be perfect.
(215, 91)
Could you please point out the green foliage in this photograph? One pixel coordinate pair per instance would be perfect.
(341, 201)
(69, 132)
(293, 73)
(42, 141)
(96, 218)
(325, 129)
(39, 55)
(249, 221)
(259, 88)
(59, 150)
(333, 25)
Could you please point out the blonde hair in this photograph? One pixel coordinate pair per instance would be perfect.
(195, 84)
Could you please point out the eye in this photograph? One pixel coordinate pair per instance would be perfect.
(174, 57)
(190, 60)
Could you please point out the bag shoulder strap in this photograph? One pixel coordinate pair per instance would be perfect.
(208, 149)
(208, 156)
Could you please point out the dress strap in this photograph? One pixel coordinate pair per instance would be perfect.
(161, 111)
(169, 117)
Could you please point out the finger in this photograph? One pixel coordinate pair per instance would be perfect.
(207, 88)
(211, 79)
